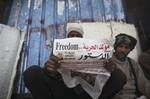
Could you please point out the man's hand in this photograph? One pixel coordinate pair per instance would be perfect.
(109, 65)
(52, 64)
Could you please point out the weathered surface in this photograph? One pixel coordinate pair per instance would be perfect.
(10, 45)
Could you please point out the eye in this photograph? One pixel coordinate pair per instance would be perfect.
(120, 46)
(127, 47)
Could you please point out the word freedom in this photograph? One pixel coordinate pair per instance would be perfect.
(66, 46)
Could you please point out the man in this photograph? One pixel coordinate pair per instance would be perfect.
(135, 86)
(47, 83)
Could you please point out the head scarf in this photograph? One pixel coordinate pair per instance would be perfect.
(76, 28)
(125, 39)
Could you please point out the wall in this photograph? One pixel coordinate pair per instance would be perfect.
(10, 47)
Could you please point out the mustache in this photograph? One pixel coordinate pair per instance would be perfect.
(121, 54)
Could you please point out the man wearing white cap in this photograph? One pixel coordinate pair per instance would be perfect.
(47, 83)
(74, 30)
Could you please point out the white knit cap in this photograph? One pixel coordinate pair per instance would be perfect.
(74, 27)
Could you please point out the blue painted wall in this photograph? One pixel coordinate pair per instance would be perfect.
(44, 20)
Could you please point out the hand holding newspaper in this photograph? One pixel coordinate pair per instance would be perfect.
(83, 62)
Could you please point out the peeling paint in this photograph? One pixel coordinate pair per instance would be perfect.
(29, 3)
(61, 8)
(37, 4)
(108, 9)
(71, 4)
(119, 9)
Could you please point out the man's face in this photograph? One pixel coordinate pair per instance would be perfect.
(122, 51)
(74, 34)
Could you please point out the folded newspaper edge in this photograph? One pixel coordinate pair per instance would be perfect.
(83, 56)
(85, 66)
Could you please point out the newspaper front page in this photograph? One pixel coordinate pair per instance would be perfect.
(83, 63)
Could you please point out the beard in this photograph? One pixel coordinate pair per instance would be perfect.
(121, 56)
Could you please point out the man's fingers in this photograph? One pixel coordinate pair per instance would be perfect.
(49, 62)
(52, 65)
(55, 59)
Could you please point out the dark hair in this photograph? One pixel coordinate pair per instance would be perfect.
(127, 39)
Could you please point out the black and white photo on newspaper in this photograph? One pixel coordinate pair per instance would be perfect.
(83, 62)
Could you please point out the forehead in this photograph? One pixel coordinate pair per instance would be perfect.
(124, 45)
(73, 33)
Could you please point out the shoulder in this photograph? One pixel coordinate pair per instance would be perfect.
(134, 64)
(132, 61)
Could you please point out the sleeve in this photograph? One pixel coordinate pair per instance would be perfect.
(144, 61)
(143, 82)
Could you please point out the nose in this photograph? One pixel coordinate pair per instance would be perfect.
(124, 49)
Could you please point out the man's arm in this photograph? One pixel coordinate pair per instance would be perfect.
(143, 82)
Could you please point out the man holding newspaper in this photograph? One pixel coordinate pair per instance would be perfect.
(58, 81)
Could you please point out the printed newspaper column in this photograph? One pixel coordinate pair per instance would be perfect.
(83, 62)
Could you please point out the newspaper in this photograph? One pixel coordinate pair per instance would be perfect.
(82, 54)
(83, 63)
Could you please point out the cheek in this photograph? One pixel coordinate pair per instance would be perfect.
(127, 50)
(124, 50)
(118, 50)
